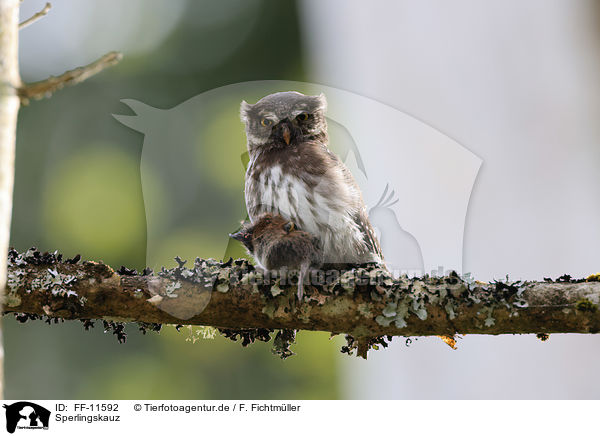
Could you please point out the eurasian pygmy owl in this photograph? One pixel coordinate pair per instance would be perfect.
(293, 173)
(276, 244)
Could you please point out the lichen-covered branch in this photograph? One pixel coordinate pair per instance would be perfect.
(47, 87)
(364, 302)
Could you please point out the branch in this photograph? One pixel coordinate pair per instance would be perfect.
(45, 88)
(35, 17)
(9, 109)
(365, 302)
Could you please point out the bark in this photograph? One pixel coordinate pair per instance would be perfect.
(364, 302)
(9, 108)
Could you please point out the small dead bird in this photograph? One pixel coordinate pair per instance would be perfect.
(276, 243)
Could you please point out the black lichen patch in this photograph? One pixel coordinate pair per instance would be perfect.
(24, 317)
(124, 271)
(506, 290)
(74, 260)
(153, 327)
(282, 342)
(350, 346)
(384, 341)
(33, 257)
(117, 329)
(87, 324)
(248, 336)
(53, 319)
(353, 344)
(566, 278)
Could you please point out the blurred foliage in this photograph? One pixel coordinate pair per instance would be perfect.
(78, 190)
(93, 205)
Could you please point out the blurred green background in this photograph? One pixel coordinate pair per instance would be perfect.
(78, 190)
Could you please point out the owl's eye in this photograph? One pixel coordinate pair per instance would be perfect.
(266, 122)
(302, 117)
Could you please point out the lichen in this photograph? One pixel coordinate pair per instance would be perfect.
(12, 299)
(366, 290)
(586, 306)
(222, 287)
(347, 281)
(171, 288)
(543, 336)
(200, 332)
(593, 278)
(275, 289)
(450, 309)
(490, 320)
(277, 307)
(248, 336)
(365, 309)
(282, 342)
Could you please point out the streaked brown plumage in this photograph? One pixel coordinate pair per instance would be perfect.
(292, 173)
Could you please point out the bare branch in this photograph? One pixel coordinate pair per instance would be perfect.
(364, 303)
(47, 87)
(36, 16)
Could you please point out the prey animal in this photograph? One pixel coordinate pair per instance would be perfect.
(292, 173)
(276, 245)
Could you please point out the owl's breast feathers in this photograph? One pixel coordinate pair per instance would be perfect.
(310, 186)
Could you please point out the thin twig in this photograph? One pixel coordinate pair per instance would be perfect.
(36, 16)
(47, 87)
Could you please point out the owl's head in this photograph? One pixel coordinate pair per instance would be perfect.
(284, 119)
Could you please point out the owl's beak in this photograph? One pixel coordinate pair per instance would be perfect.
(285, 131)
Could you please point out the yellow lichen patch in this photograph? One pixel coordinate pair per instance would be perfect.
(449, 340)
(593, 278)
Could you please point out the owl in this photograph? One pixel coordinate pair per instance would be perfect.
(292, 173)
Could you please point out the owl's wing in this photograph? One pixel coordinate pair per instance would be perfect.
(361, 218)
(369, 236)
